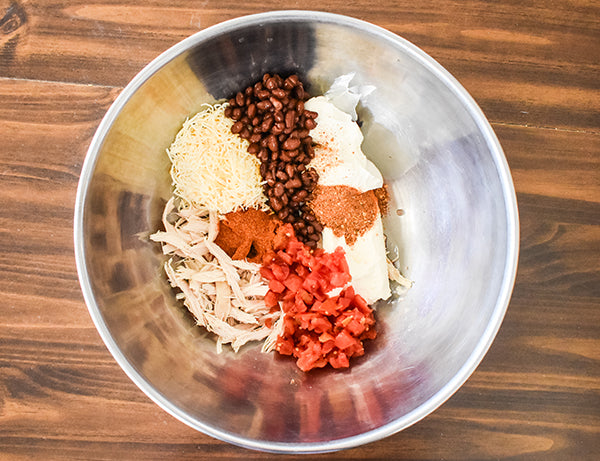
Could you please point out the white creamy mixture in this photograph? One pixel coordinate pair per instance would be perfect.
(339, 160)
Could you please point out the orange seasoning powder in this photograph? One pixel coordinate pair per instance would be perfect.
(383, 199)
(247, 234)
(345, 210)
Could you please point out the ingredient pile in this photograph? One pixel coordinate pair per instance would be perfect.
(274, 229)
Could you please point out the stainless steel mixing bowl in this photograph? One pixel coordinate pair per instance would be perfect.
(457, 238)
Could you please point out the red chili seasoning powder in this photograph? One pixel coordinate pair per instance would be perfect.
(247, 234)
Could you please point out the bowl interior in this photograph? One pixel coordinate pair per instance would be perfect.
(456, 238)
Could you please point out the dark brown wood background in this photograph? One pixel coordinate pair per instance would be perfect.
(534, 68)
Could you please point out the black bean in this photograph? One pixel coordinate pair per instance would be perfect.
(263, 105)
(291, 143)
(290, 170)
(239, 99)
(279, 189)
(270, 84)
(276, 203)
(237, 127)
(310, 124)
(276, 103)
(263, 156)
(279, 93)
(272, 143)
(289, 118)
(245, 133)
(278, 128)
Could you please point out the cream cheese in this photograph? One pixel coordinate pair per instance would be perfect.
(366, 260)
(339, 160)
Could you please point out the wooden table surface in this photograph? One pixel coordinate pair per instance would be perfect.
(533, 67)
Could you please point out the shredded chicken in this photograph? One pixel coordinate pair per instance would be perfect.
(225, 296)
(395, 275)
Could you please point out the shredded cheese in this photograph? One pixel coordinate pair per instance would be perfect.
(211, 166)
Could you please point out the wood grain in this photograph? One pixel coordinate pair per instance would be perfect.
(533, 67)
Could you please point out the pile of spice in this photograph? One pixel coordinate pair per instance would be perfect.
(247, 234)
(346, 210)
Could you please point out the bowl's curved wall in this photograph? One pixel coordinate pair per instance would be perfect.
(457, 237)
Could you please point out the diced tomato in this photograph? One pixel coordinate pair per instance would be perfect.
(328, 346)
(355, 350)
(360, 302)
(271, 299)
(338, 279)
(285, 257)
(266, 273)
(289, 326)
(317, 329)
(306, 360)
(304, 318)
(310, 284)
(324, 284)
(344, 340)
(293, 283)
(280, 271)
(284, 346)
(339, 360)
(288, 306)
(343, 302)
(325, 337)
(282, 236)
(276, 286)
(302, 271)
(288, 295)
(320, 324)
(348, 293)
(370, 333)
(355, 327)
(299, 305)
(305, 296)
(327, 307)
(342, 261)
